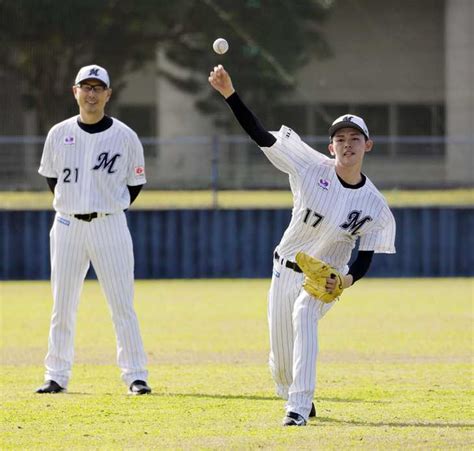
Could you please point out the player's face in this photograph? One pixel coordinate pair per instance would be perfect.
(349, 146)
(92, 96)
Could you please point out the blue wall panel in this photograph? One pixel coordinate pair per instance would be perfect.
(430, 242)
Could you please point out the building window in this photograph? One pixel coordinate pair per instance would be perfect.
(422, 122)
(295, 116)
(141, 118)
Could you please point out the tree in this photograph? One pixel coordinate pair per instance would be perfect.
(44, 42)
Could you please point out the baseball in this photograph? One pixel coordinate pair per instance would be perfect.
(220, 46)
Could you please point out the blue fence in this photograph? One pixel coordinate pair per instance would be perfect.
(431, 242)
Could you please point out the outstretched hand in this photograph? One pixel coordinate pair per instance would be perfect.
(220, 80)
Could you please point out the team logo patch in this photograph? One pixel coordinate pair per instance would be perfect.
(63, 221)
(68, 140)
(140, 171)
(276, 273)
(323, 183)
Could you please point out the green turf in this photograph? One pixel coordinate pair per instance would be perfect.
(394, 370)
(152, 199)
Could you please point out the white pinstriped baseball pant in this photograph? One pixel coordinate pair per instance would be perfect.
(293, 317)
(106, 243)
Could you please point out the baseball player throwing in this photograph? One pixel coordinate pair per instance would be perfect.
(94, 166)
(334, 205)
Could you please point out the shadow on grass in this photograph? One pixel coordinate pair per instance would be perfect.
(75, 393)
(392, 423)
(261, 398)
(217, 396)
(161, 395)
(205, 395)
(365, 401)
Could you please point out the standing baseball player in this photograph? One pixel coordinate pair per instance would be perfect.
(94, 165)
(334, 205)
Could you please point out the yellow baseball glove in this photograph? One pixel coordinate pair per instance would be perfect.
(316, 272)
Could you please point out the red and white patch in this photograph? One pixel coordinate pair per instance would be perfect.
(140, 171)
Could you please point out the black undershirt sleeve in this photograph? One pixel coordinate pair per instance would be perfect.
(361, 265)
(51, 183)
(249, 122)
(134, 191)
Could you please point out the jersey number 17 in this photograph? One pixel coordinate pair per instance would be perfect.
(311, 217)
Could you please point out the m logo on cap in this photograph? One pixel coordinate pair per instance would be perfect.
(347, 118)
(94, 72)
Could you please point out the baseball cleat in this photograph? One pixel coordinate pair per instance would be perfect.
(294, 419)
(139, 388)
(312, 414)
(50, 387)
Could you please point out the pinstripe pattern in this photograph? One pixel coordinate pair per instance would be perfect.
(284, 289)
(67, 146)
(327, 220)
(105, 242)
(87, 183)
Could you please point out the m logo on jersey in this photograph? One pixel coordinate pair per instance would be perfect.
(105, 164)
(354, 223)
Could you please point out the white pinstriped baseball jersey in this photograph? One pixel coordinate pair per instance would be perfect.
(327, 218)
(93, 169)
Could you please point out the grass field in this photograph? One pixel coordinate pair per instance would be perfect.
(394, 370)
(150, 199)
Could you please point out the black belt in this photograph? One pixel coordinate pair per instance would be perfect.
(88, 217)
(292, 265)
